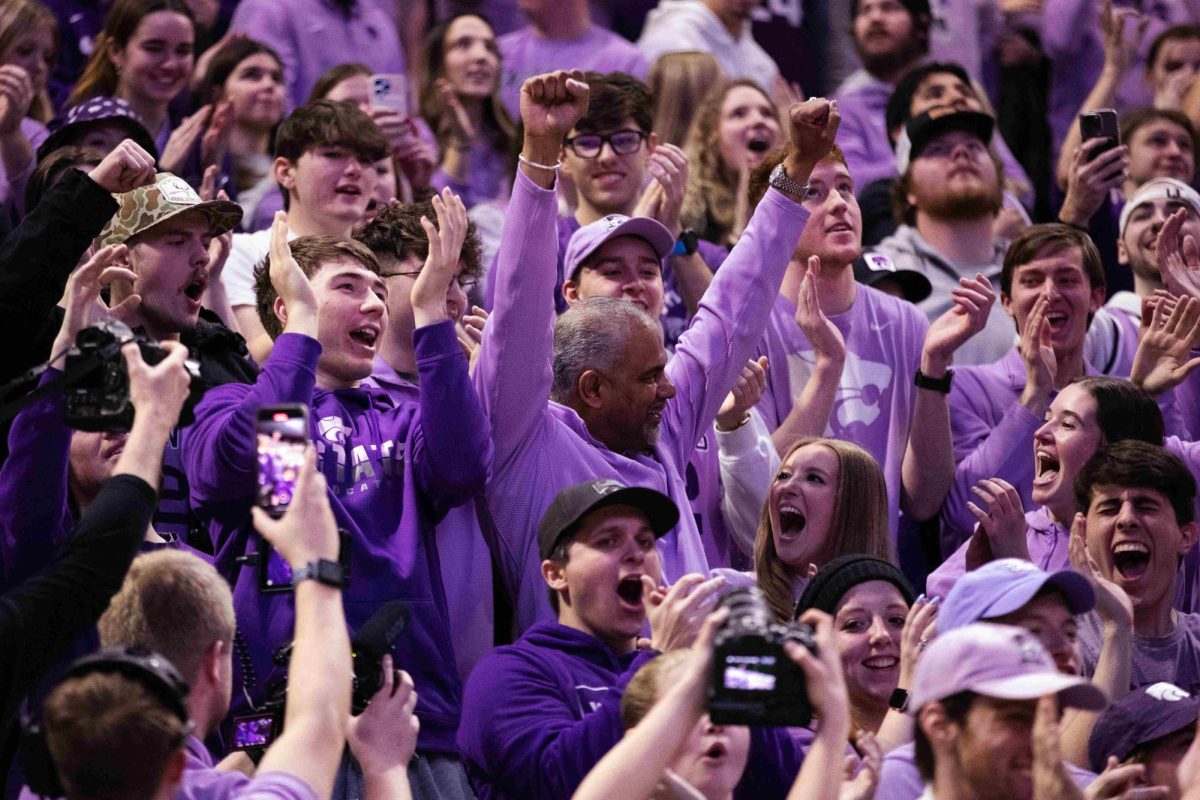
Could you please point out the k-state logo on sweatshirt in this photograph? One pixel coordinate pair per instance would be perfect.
(353, 468)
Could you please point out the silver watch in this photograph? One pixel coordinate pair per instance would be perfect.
(781, 181)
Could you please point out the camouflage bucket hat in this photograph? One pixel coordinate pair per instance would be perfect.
(147, 206)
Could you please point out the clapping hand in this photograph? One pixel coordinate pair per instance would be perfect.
(445, 247)
(1163, 359)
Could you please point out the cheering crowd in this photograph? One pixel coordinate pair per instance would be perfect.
(480, 400)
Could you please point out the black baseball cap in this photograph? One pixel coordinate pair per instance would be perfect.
(574, 503)
(875, 268)
(922, 129)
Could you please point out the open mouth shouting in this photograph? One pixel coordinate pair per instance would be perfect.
(1046, 468)
(629, 591)
(366, 336)
(791, 521)
(1131, 560)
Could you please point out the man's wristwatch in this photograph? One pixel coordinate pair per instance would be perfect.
(781, 181)
(899, 699)
(687, 243)
(330, 573)
(941, 384)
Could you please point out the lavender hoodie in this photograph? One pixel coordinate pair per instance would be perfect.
(393, 472)
(543, 447)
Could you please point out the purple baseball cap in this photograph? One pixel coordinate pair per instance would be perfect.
(997, 661)
(1139, 717)
(588, 239)
(1002, 586)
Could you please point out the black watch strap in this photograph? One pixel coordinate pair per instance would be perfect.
(941, 384)
(330, 573)
(899, 699)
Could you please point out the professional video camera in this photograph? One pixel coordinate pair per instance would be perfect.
(754, 681)
(97, 380)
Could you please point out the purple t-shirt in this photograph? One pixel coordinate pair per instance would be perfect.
(1174, 658)
(875, 399)
(489, 176)
(542, 446)
(311, 36)
(900, 780)
(525, 53)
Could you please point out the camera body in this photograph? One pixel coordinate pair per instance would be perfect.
(97, 399)
(754, 680)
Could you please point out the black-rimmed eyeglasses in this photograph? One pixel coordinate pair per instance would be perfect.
(623, 142)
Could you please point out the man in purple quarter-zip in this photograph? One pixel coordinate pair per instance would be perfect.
(619, 408)
(394, 469)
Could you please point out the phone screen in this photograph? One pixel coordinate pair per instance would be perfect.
(282, 433)
(252, 732)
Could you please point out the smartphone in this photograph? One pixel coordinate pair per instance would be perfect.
(390, 91)
(282, 436)
(1101, 123)
(255, 731)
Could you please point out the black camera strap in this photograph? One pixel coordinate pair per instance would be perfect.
(66, 380)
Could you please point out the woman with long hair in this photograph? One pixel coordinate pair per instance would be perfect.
(827, 500)
(28, 44)
(734, 129)
(678, 82)
(248, 75)
(144, 56)
(461, 100)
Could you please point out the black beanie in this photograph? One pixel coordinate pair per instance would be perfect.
(842, 574)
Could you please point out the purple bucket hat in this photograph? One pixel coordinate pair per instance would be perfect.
(96, 109)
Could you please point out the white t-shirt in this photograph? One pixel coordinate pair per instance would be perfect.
(238, 276)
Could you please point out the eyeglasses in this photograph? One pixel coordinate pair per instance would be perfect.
(624, 142)
(466, 284)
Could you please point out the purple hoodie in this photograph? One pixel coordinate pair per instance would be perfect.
(540, 713)
(393, 472)
(543, 447)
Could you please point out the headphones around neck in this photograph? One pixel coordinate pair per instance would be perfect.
(154, 672)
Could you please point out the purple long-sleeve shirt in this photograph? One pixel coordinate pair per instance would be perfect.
(543, 447)
(393, 472)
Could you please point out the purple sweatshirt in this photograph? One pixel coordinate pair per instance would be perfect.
(526, 52)
(876, 396)
(488, 178)
(466, 564)
(393, 472)
(540, 713)
(542, 447)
